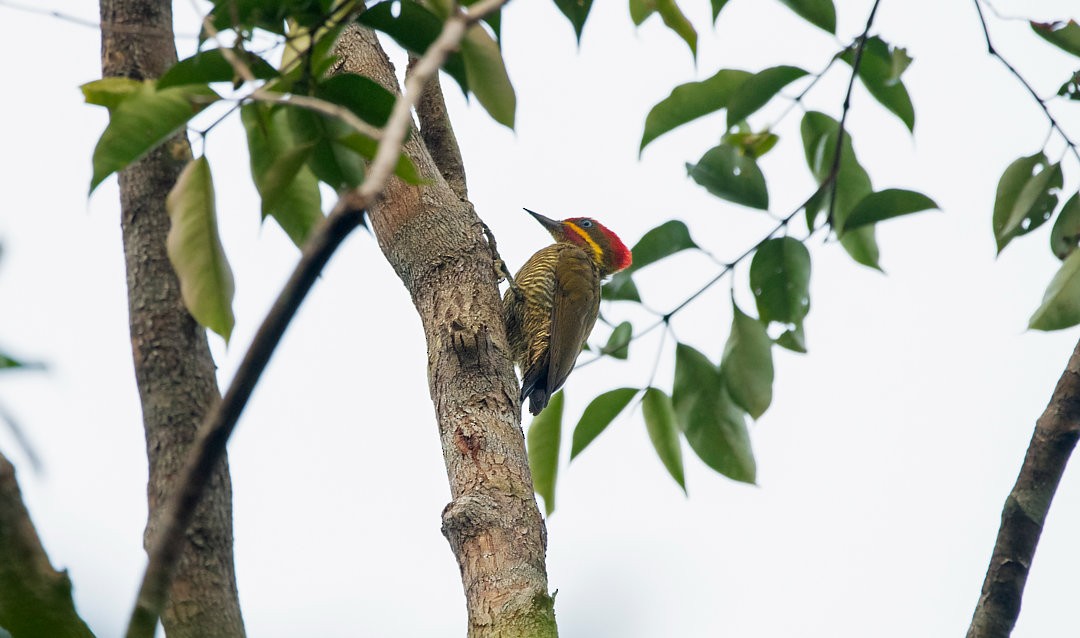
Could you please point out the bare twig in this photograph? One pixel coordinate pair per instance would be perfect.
(1027, 85)
(1024, 514)
(219, 424)
(856, 62)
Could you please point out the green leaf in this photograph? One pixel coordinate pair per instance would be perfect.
(600, 412)
(758, 89)
(660, 242)
(206, 281)
(714, 426)
(889, 203)
(780, 280)
(1065, 235)
(618, 344)
(852, 183)
(861, 245)
(109, 92)
(487, 75)
(1063, 35)
(143, 120)
(794, 339)
(820, 13)
(211, 66)
(663, 431)
(677, 21)
(1027, 194)
(751, 144)
(690, 101)
(289, 190)
(576, 11)
(727, 173)
(899, 62)
(1061, 303)
(405, 169)
(640, 10)
(1070, 90)
(877, 73)
(365, 97)
(746, 366)
(7, 362)
(620, 288)
(414, 28)
(545, 432)
(717, 7)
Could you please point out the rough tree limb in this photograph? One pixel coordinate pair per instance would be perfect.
(438, 134)
(173, 367)
(493, 524)
(1053, 441)
(35, 599)
(436, 244)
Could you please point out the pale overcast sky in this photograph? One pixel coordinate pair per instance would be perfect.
(883, 462)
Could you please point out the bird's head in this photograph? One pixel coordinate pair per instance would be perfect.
(604, 246)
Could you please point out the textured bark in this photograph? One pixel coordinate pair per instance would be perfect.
(1025, 510)
(439, 136)
(173, 367)
(436, 244)
(35, 599)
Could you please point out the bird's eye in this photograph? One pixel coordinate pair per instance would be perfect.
(586, 223)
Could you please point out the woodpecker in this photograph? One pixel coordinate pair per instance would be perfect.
(553, 302)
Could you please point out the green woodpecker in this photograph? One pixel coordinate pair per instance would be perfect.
(554, 299)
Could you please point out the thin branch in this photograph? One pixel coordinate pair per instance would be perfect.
(215, 431)
(1024, 514)
(665, 318)
(1027, 85)
(855, 63)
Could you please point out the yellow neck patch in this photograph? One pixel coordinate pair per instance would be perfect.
(598, 253)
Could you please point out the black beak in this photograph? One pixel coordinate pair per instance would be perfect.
(550, 224)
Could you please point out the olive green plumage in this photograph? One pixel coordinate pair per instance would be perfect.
(553, 303)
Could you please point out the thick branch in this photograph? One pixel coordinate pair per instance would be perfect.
(173, 367)
(35, 599)
(1022, 519)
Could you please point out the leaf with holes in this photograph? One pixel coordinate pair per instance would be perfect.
(1027, 194)
(747, 367)
(599, 414)
(820, 13)
(758, 89)
(729, 174)
(663, 241)
(487, 75)
(1063, 35)
(545, 432)
(141, 121)
(886, 204)
(690, 101)
(1065, 235)
(663, 430)
(713, 425)
(780, 280)
(195, 251)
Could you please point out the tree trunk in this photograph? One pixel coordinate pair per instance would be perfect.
(35, 599)
(436, 244)
(173, 367)
(1025, 510)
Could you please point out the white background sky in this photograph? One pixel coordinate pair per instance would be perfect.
(883, 462)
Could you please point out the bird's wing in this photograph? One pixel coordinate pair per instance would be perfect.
(577, 303)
